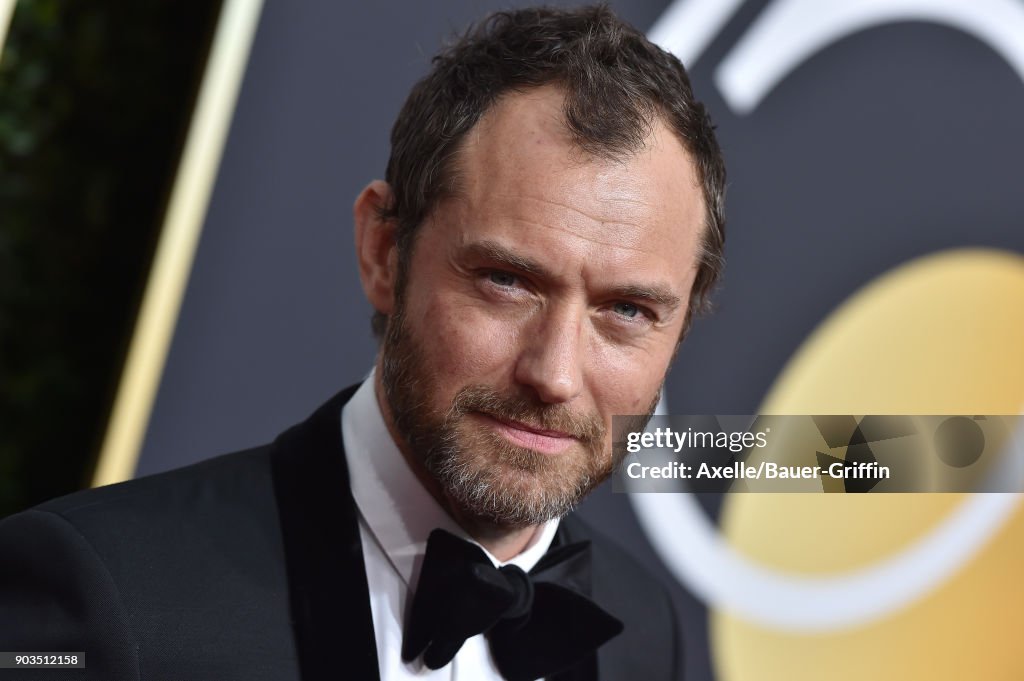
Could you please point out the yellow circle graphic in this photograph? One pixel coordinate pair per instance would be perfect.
(943, 334)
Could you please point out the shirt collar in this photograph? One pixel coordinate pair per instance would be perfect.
(399, 512)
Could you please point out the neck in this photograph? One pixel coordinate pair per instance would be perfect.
(502, 541)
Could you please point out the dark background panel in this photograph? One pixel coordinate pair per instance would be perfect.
(893, 143)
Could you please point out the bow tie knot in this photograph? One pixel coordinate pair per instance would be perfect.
(521, 587)
(537, 624)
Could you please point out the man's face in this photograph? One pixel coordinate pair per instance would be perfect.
(548, 296)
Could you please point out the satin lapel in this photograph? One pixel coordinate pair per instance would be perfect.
(330, 601)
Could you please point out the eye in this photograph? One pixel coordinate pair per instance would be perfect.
(626, 309)
(503, 279)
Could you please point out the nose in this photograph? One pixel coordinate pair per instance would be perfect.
(550, 359)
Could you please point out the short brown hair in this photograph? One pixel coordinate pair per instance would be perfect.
(616, 83)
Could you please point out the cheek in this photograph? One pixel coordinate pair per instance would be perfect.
(465, 343)
(625, 380)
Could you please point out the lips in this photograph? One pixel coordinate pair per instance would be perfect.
(530, 429)
(538, 439)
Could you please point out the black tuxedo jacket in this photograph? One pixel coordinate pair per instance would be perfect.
(249, 566)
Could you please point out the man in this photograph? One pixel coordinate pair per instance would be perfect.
(551, 218)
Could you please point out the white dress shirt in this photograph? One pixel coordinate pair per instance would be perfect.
(396, 514)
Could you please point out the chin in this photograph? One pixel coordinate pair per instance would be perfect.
(515, 489)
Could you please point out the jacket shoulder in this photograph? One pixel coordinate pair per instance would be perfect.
(650, 646)
(193, 554)
(239, 470)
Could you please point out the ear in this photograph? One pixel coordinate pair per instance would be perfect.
(376, 246)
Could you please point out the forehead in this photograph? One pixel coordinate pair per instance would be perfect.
(519, 171)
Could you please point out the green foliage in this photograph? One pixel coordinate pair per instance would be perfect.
(94, 99)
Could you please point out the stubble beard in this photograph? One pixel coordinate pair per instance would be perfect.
(480, 472)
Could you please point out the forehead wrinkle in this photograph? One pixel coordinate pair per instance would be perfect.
(466, 208)
(518, 198)
(614, 220)
(592, 239)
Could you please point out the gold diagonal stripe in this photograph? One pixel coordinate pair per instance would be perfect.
(183, 223)
(6, 12)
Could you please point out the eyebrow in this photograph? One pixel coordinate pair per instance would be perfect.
(495, 252)
(654, 294)
(491, 250)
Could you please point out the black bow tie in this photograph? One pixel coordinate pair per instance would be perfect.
(537, 624)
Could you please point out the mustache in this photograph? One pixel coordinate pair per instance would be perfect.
(478, 398)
